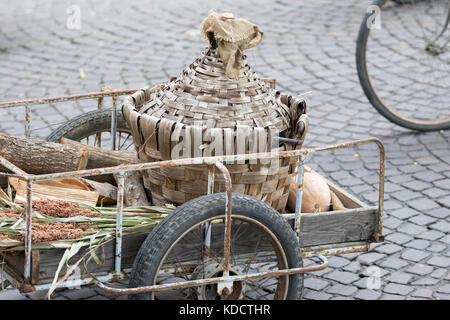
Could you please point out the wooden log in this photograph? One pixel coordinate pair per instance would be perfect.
(101, 158)
(54, 190)
(133, 191)
(107, 192)
(40, 157)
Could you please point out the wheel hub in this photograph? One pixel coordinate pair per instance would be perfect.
(209, 291)
(435, 49)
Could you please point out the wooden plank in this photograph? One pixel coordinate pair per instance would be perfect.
(49, 259)
(107, 192)
(347, 199)
(316, 229)
(327, 228)
(336, 226)
(35, 259)
(15, 260)
(45, 190)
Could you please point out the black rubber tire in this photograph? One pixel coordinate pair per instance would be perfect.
(87, 124)
(374, 99)
(155, 246)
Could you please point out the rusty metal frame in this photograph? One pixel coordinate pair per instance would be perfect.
(214, 162)
(211, 161)
(105, 91)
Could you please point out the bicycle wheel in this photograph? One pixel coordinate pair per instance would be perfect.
(94, 128)
(403, 62)
(261, 240)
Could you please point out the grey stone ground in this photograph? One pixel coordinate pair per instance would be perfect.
(308, 45)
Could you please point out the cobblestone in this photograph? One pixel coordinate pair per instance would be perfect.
(342, 277)
(418, 244)
(388, 248)
(423, 293)
(400, 289)
(316, 295)
(394, 263)
(369, 258)
(342, 290)
(420, 269)
(315, 283)
(392, 297)
(436, 247)
(414, 255)
(400, 277)
(439, 261)
(423, 204)
(367, 294)
(444, 289)
(425, 281)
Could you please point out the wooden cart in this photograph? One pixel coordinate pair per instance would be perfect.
(310, 235)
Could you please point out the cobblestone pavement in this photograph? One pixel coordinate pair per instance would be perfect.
(308, 45)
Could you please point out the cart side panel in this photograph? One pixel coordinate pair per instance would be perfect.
(316, 230)
(336, 226)
(49, 259)
(356, 224)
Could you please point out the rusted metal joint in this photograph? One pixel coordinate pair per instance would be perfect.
(26, 287)
(377, 237)
(225, 288)
(218, 280)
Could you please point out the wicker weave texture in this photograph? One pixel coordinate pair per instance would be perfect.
(203, 113)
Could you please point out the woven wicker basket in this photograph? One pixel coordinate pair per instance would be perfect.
(213, 115)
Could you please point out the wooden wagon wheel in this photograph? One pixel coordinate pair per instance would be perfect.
(261, 240)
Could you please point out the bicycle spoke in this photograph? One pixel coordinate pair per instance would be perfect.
(407, 68)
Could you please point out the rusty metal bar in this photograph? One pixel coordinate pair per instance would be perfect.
(202, 282)
(28, 234)
(228, 206)
(209, 161)
(27, 121)
(113, 123)
(119, 222)
(211, 173)
(378, 237)
(298, 203)
(98, 136)
(90, 95)
(85, 280)
(338, 248)
(207, 244)
(167, 163)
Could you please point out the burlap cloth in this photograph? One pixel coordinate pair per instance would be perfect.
(231, 36)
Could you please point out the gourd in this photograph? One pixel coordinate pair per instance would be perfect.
(316, 193)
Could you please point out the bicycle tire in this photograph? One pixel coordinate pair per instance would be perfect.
(370, 92)
(87, 124)
(153, 250)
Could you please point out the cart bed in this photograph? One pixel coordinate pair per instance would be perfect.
(332, 232)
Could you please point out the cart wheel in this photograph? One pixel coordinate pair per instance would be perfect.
(261, 240)
(94, 128)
